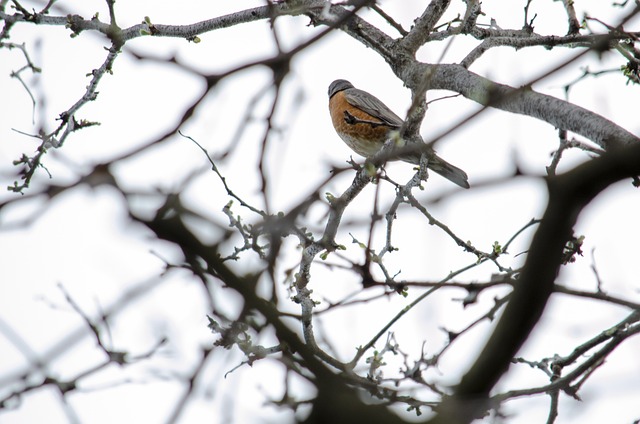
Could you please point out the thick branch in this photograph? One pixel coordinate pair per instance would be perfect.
(559, 113)
(424, 25)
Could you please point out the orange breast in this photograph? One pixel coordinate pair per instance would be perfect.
(363, 138)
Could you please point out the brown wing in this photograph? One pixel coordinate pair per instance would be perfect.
(373, 106)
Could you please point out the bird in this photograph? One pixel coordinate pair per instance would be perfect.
(364, 123)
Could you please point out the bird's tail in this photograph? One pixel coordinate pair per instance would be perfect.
(411, 152)
(450, 172)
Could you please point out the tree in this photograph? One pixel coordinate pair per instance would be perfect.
(179, 200)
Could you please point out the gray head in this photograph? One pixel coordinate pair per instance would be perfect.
(338, 85)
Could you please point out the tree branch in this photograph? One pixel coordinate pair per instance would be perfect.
(424, 25)
(568, 195)
(559, 113)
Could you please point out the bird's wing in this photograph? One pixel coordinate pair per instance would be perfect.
(373, 106)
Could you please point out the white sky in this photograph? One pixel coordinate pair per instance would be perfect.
(84, 240)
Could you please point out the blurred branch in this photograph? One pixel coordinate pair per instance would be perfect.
(332, 388)
(568, 195)
(37, 373)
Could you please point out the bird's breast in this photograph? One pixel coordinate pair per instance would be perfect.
(363, 133)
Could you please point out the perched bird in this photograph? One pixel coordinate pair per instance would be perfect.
(364, 123)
